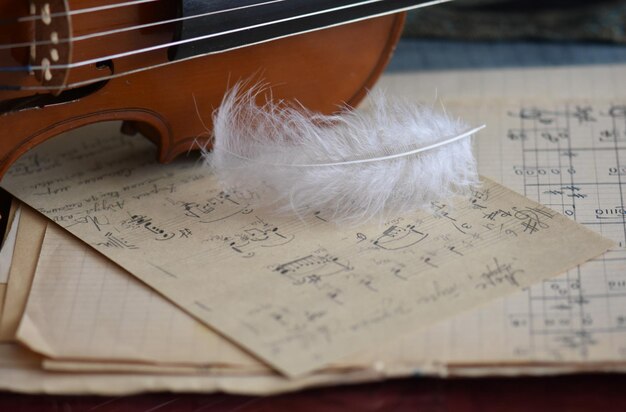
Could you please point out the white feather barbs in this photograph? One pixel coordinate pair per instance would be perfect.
(392, 158)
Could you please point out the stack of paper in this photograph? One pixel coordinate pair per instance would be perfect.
(135, 276)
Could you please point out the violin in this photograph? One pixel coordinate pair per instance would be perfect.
(163, 66)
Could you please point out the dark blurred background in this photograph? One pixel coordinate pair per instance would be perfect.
(599, 20)
(513, 33)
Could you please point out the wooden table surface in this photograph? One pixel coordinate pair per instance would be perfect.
(567, 393)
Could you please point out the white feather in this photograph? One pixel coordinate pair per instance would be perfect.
(392, 158)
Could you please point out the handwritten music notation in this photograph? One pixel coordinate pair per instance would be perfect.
(569, 156)
(297, 292)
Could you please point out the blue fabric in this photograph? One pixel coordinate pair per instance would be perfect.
(419, 54)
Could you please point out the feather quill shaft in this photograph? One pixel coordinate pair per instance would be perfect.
(358, 165)
(369, 159)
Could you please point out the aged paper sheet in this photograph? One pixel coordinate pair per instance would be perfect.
(8, 245)
(566, 155)
(570, 156)
(20, 370)
(6, 254)
(299, 301)
(29, 236)
(83, 306)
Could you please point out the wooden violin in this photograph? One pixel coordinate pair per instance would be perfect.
(158, 64)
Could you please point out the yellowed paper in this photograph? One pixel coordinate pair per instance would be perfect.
(162, 369)
(15, 356)
(83, 306)
(20, 371)
(298, 293)
(534, 370)
(65, 262)
(8, 245)
(6, 255)
(30, 232)
(568, 161)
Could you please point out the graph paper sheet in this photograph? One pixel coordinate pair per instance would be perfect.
(570, 156)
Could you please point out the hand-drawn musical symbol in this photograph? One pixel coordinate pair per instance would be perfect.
(141, 221)
(397, 269)
(136, 220)
(221, 199)
(317, 215)
(214, 209)
(569, 153)
(116, 242)
(154, 190)
(98, 221)
(368, 283)
(255, 235)
(618, 111)
(577, 340)
(396, 237)
(453, 250)
(617, 212)
(516, 134)
(437, 205)
(611, 136)
(478, 197)
(428, 261)
(615, 171)
(583, 114)
(239, 248)
(530, 217)
(464, 228)
(533, 113)
(496, 213)
(314, 266)
(554, 136)
(439, 214)
(193, 209)
(499, 273)
(335, 296)
(574, 192)
(267, 237)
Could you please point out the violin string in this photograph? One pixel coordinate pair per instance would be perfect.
(132, 28)
(129, 53)
(32, 17)
(167, 63)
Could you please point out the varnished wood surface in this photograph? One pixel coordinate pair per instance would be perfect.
(577, 393)
(172, 104)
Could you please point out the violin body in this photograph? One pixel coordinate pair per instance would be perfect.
(171, 104)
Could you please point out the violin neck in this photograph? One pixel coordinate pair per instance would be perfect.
(221, 25)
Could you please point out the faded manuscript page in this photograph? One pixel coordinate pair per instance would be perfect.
(298, 294)
(83, 306)
(565, 154)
